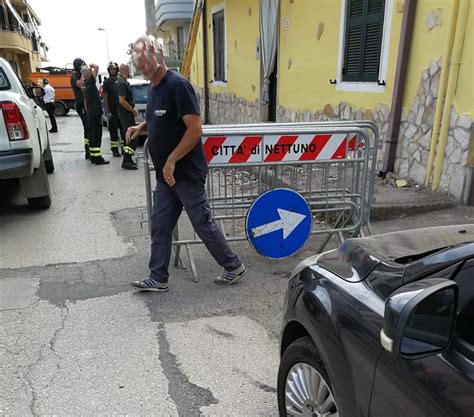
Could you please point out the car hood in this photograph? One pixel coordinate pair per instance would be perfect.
(356, 258)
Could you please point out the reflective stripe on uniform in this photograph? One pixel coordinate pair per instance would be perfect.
(95, 152)
(114, 144)
(86, 141)
(129, 150)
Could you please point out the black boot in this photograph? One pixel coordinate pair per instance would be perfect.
(116, 153)
(100, 161)
(127, 163)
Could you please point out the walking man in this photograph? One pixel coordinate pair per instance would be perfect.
(127, 114)
(111, 103)
(94, 112)
(49, 104)
(77, 82)
(174, 136)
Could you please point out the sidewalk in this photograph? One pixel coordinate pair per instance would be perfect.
(392, 202)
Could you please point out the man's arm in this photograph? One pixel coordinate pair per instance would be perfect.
(80, 82)
(135, 131)
(191, 137)
(95, 70)
(127, 106)
(105, 96)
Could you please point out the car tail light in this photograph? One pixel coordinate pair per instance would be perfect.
(14, 121)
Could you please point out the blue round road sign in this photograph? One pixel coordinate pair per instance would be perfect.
(278, 223)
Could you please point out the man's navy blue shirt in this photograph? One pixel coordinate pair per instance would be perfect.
(173, 98)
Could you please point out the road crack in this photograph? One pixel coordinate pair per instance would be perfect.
(46, 350)
(188, 397)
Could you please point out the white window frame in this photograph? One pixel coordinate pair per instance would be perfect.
(365, 87)
(215, 9)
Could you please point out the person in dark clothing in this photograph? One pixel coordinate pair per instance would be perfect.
(48, 100)
(94, 112)
(174, 129)
(76, 83)
(111, 103)
(127, 114)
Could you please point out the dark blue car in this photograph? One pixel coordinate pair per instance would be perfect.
(383, 326)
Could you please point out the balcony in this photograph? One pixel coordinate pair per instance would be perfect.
(15, 39)
(175, 12)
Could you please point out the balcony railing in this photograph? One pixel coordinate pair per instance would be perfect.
(174, 50)
(33, 43)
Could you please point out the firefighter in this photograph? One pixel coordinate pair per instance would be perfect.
(111, 103)
(94, 112)
(127, 114)
(77, 82)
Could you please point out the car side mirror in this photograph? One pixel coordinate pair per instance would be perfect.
(420, 317)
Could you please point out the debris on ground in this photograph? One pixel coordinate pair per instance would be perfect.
(393, 180)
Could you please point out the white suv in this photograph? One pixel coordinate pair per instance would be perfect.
(24, 143)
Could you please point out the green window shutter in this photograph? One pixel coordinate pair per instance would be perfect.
(354, 37)
(364, 29)
(218, 45)
(222, 47)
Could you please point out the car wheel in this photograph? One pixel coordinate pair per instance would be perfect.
(59, 109)
(303, 385)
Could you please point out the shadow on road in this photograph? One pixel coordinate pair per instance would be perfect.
(11, 200)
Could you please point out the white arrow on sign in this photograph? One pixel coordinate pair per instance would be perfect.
(289, 221)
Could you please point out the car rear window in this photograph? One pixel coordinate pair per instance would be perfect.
(4, 82)
(140, 93)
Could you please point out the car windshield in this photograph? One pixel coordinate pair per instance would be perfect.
(4, 83)
(140, 93)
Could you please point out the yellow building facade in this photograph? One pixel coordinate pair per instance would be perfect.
(20, 41)
(311, 80)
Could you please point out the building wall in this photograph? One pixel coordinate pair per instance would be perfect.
(309, 56)
(237, 100)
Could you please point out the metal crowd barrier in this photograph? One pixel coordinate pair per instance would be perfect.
(331, 164)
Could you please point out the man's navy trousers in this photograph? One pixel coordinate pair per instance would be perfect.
(168, 203)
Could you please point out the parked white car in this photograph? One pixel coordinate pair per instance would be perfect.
(25, 152)
(140, 97)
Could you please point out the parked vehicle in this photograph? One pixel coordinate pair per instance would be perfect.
(25, 152)
(60, 79)
(140, 98)
(382, 327)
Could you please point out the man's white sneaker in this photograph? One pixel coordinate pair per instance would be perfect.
(231, 277)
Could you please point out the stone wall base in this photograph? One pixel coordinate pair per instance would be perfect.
(415, 130)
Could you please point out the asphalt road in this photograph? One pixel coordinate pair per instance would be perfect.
(76, 339)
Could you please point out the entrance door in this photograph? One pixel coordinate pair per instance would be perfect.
(272, 96)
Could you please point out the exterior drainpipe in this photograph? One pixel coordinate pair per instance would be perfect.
(399, 87)
(206, 64)
(452, 83)
(441, 92)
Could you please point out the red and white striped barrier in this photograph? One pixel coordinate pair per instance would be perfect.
(277, 148)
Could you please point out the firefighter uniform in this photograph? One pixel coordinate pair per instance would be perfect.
(79, 102)
(94, 115)
(113, 122)
(127, 119)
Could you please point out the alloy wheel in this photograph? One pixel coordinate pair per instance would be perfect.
(308, 394)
